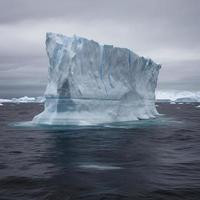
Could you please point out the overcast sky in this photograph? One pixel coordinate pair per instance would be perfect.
(167, 31)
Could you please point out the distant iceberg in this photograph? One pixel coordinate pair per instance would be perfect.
(177, 96)
(24, 99)
(5, 101)
(161, 96)
(90, 83)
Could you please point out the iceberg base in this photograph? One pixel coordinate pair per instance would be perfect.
(67, 111)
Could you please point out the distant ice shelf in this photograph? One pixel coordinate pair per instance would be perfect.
(24, 99)
(161, 96)
(177, 96)
(90, 83)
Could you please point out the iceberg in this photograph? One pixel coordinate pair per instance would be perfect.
(5, 101)
(178, 96)
(89, 83)
(24, 99)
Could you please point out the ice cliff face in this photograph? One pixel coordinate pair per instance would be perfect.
(91, 83)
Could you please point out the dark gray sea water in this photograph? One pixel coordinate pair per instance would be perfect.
(151, 159)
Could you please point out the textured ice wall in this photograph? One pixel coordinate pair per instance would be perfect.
(90, 83)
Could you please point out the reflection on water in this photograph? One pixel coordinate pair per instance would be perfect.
(154, 159)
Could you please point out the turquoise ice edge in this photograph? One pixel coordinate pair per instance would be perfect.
(159, 121)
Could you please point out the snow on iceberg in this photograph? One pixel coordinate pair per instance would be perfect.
(90, 83)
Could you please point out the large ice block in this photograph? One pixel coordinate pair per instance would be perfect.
(89, 83)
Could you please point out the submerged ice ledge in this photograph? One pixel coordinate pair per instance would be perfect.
(92, 83)
(93, 111)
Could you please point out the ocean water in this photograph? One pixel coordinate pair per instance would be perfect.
(149, 159)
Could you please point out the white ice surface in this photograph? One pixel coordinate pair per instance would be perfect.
(5, 100)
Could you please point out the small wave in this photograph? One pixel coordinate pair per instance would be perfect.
(99, 167)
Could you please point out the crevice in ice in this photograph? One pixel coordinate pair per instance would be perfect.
(101, 62)
(102, 68)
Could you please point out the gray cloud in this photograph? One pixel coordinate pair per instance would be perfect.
(165, 30)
